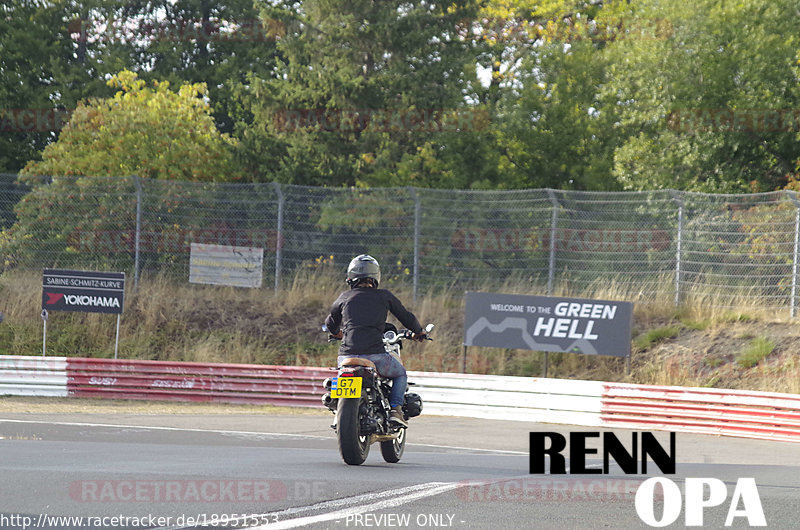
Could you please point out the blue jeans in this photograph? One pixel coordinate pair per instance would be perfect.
(390, 367)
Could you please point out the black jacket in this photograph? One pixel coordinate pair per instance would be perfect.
(361, 315)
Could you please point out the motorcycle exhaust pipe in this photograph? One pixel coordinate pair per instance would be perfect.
(331, 403)
(383, 437)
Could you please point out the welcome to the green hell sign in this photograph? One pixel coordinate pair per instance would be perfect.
(541, 323)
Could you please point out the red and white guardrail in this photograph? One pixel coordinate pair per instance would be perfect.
(751, 414)
(764, 415)
(33, 376)
(744, 413)
(162, 380)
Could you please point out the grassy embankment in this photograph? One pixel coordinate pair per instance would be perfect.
(695, 345)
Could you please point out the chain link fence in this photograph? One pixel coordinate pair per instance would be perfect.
(653, 246)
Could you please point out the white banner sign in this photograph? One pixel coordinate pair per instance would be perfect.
(226, 265)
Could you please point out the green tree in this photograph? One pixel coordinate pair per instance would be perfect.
(73, 217)
(55, 54)
(556, 130)
(149, 131)
(195, 41)
(42, 76)
(507, 33)
(360, 86)
(552, 125)
(703, 102)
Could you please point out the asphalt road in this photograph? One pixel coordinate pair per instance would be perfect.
(184, 471)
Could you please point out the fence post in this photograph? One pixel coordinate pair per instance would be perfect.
(551, 269)
(279, 236)
(417, 216)
(138, 181)
(678, 246)
(793, 196)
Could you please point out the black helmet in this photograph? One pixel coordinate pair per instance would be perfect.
(361, 267)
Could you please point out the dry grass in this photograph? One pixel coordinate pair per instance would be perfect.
(173, 321)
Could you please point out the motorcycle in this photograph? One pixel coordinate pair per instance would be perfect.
(359, 397)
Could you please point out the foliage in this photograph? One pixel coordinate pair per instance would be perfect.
(654, 336)
(755, 352)
(47, 234)
(42, 75)
(496, 94)
(697, 325)
(196, 41)
(736, 317)
(704, 106)
(152, 132)
(555, 131)
(765, 233)
(55, 54)
(746, 239)
(390, 74)
(508, 32)
(185, 322)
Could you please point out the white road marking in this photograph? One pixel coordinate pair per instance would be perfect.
(358, 504)
(377, 500)
(251, 433)
(354, 505)
(244, 433)
(159, 428)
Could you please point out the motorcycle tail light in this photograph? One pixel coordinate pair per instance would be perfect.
(346, 374)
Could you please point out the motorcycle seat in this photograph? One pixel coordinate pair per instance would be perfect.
(357, 361)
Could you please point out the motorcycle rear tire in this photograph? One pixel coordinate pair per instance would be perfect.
(392, 450)
(353, 446)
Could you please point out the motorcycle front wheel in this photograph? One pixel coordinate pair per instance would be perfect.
(353, 446)
(392, 450)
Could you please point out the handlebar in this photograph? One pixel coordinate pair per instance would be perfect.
(390, 337)
(331, 337)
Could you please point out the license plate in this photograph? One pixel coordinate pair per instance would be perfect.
(346, 387)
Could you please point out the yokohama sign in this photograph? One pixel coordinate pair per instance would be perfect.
(92, 292)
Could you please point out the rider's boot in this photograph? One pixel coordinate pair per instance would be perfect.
(396, 416)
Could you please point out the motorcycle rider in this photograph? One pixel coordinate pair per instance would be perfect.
(358, 317)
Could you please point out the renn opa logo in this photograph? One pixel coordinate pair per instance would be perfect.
(745, 493)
